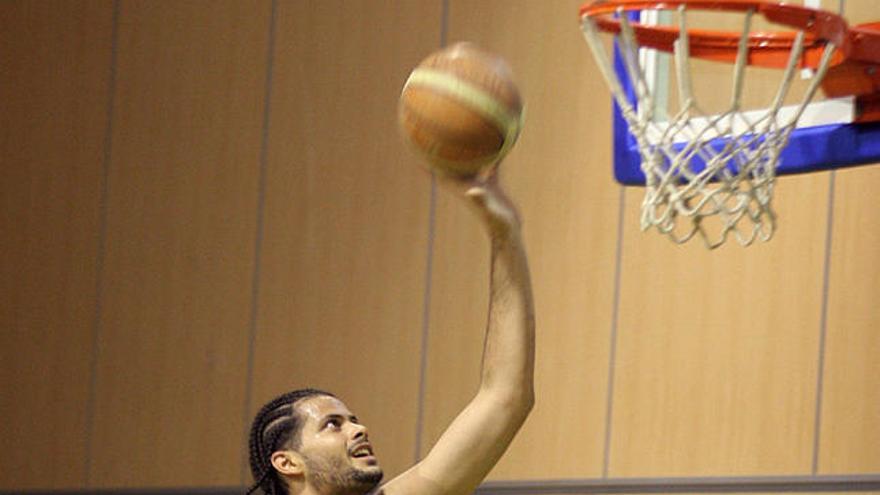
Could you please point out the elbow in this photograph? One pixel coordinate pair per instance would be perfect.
(528, 403)
(516, 402)
(525, 399)
(522, 406)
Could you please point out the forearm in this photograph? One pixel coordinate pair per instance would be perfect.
(479, 436)
(509, 352)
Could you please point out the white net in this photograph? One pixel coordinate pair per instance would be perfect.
(707, 174)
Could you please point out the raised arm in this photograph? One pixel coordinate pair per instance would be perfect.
(481, 433)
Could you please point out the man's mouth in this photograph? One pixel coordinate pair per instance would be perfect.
(362, 450)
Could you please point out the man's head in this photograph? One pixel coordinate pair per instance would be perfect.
(310, 438)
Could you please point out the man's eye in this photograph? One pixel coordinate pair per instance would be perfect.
(334, 423)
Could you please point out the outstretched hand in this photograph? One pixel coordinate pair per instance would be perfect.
(490, 201)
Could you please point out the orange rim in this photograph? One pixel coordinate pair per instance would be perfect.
(766, 49)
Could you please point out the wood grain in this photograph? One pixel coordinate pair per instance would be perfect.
(559, 174)
(55, 61)
(183, 194)
(850, 429)
(718, 350)
(347, 217)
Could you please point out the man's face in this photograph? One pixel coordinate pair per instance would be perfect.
(338, 455)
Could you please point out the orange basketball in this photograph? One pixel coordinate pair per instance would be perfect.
(461, 109)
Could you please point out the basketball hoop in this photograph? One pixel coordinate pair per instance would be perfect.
(713, 175)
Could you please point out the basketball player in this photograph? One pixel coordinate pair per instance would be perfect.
(308, 442)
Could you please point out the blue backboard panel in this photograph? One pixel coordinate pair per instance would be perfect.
(809, 149)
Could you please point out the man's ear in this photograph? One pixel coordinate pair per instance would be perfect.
(288, 463)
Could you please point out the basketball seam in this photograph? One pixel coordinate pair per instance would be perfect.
(473, 97)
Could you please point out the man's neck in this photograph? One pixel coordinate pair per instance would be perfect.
(307, 489)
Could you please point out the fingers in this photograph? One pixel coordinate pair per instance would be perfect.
(486, 195)
(468, 184)
(477, 195)
(495, 208)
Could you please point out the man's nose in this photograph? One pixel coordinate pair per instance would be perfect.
(359, 431)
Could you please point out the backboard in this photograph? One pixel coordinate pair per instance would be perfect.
(826, 136)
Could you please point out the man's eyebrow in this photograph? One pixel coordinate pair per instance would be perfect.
(332, 416)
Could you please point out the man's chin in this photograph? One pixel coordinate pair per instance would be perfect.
(370, 475)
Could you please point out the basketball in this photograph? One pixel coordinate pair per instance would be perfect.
(461, 110)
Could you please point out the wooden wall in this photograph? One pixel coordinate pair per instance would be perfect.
(206, 203)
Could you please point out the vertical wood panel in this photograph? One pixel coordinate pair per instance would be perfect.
(560, 175)
(850, 429)
(718, 350)
(182, 215)
(55, 60)
(345, 246)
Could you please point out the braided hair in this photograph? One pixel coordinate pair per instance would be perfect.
(276, 425)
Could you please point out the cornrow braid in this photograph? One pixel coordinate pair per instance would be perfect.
(275, 426)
